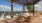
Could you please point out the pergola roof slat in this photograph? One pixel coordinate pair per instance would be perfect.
(27, 2)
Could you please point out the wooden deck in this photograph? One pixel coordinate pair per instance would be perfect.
(37, 20)
(22, 19)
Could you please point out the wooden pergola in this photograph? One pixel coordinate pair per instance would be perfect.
(24, 3)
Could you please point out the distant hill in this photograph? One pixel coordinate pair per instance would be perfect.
(7, 12)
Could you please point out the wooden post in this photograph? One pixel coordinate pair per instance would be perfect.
(23, 9)
(4, 15)
(11, 10)
(33, 9)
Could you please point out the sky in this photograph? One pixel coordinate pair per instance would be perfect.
(6, 6)
(38, 6)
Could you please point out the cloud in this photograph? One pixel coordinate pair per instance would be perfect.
(4, 8)
(7, 8)
(40, 3)
(38, 7)
(17, 9)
